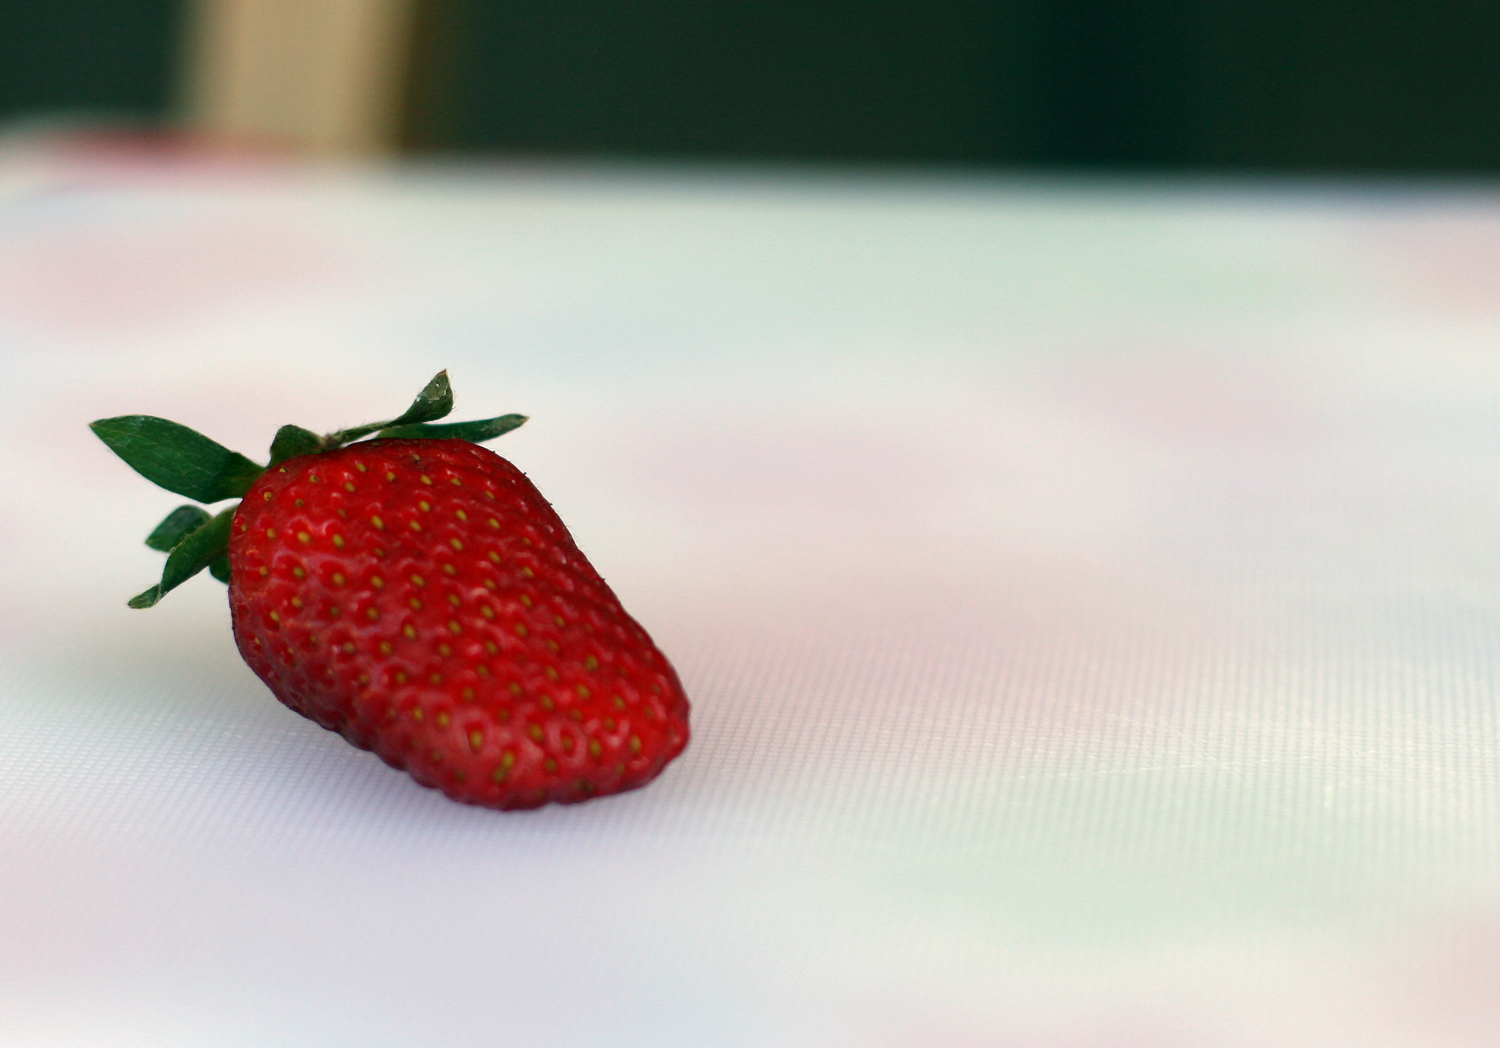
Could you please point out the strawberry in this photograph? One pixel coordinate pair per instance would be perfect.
(416, 594)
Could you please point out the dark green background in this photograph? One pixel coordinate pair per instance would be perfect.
(108, 56)
(1325, 85)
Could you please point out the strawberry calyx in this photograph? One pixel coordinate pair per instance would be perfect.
(186, 462)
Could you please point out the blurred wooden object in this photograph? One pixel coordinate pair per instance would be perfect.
(318, 76)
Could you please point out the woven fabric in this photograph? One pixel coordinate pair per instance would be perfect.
(1089, 597)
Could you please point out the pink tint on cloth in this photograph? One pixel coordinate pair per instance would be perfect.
(142, 275)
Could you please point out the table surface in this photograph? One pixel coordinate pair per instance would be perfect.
(1088, 592)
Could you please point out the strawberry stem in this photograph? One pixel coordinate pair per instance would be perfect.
(434, 402)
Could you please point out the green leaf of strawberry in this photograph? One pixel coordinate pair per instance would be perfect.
(179, 523)
(434, 402)
(179, 459)
(475, 432)
(196, 551)
(291, 441)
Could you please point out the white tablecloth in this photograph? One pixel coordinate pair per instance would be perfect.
(1089, 594)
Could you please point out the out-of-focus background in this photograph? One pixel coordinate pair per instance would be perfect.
(1248, 85)
(1054, 440)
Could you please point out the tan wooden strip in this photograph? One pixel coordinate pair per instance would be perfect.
(321, 76)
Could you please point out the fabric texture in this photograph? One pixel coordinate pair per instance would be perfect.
(1088, 595)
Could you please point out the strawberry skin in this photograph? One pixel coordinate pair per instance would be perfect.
(422, 599)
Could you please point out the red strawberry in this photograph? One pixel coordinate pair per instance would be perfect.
(422, 599)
